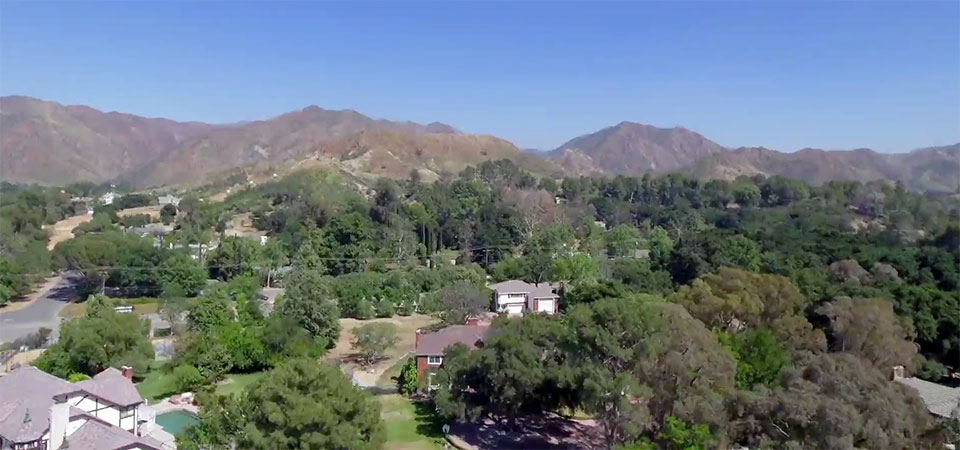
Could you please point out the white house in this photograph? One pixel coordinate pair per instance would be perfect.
(517, 297)
(169, 200)
(108, 198)
(41, 411)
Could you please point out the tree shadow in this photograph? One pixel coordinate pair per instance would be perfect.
(429, 423)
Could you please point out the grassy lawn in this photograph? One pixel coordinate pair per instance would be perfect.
(409, 425)
(76, 310)
(236, 383)
(158, 384)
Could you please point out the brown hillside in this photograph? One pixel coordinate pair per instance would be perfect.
(51, 143)
(633, 148)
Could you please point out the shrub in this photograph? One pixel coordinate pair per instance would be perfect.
(188, 378)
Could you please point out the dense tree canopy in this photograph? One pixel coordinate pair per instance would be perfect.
(300, 404)
(101, 339)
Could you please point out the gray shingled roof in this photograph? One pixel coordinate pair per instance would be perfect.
(541, 290)
(96, 435)
(434, 343)
(940, 400)
(111, 386)
(26, 395)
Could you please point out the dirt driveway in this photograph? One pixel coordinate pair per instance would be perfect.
(406, 330)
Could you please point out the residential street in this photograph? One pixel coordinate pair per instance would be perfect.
(42, 312)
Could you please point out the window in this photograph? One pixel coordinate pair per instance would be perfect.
(434, 360)
(430, 384)
(126, 412)
(516, 295)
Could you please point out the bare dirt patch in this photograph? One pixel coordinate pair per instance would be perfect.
(22, 359)
(152, 211)
(63, 230)
(343, 352)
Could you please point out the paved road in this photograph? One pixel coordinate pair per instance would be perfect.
(41, 313)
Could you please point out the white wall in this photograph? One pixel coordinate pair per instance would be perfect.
(104, 411)
(503, 299)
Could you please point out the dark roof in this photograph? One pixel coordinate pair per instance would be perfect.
(96, 435)
(26, 395)
(111, 386)
(434, 343)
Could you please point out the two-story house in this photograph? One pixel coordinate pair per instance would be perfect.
(516, 297)
(41, 411)
(430, 346)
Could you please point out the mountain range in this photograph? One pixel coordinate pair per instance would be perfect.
(46, 142)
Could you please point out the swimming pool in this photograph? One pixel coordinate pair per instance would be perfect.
(174, 422)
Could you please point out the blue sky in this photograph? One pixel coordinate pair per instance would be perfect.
(780, 74)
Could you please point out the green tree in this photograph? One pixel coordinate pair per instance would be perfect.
(746, 193)
(629, 347)
(463, 300)
(518, 371)
(168, 213)
(734, 300)
(512, 268)
(546, 244)
(735, 251)
(188, 378)
(181, 271)
(832, 400)
(660, 245)
(870, 329)
(172, 306)
(308, 301)
(760, 358)
(371, 341)
(101, 339)
(210, 311)
(575, 269)
(299, 404)
(77, 377)
(408, 380)
(622, 241)
(678, 435)
(234, 257)
(348, 239)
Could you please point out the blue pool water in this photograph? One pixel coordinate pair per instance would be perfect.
(174, 422)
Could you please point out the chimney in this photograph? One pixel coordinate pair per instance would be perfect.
(59, 419)
(417, 344)
(897, 372)
(127, 372)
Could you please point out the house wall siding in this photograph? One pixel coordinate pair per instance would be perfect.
(421, 366)
(104, 411)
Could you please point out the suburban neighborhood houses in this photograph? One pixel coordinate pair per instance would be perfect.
(304, 289)
(41, 411)
(511, 298)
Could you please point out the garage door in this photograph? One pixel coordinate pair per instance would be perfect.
(545, 305)
(515, 308)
